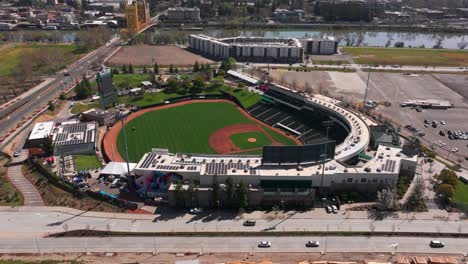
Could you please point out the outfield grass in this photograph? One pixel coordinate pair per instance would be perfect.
(461, 193)
(84, 162)
(10, 56)
(128, 80)
(186, 128)
(241, 140)
(408, 56)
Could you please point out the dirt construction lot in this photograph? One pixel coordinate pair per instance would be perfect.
(148, 55)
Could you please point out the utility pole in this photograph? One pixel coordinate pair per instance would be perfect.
(327, 124)
(125, 142)
(367, 87)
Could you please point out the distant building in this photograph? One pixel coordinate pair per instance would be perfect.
(39, 133)
(262, 49)
(102, 117)
(75, 139)
(102, 7)
(107, 91)
(178, 14)
(285, 15)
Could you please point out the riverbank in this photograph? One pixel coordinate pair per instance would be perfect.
(321, 26)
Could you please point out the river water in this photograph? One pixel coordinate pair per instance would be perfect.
(370, 38)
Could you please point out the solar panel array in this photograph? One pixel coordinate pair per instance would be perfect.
(221, 168)
(389, 166)
(148, 160)
(86, 136)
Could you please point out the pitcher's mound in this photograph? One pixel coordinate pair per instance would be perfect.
(252, 140)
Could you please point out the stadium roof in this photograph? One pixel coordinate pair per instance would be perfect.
(243, 77)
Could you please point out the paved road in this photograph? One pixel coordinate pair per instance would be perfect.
(228, 244)
(34, 221)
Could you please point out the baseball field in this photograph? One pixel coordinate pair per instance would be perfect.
(210, 127)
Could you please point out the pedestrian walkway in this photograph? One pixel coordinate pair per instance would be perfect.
(31, 195)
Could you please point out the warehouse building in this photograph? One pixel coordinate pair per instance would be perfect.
(75, 139)
(262, 49)
(102, 117)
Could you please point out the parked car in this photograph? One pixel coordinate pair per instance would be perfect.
(328, 209)
(454, 150)
(264, 244)
(436, 244)
(442, 133)
(334, 209)
(16, 154)
(196, 210)
(249, 223)
(312, 244)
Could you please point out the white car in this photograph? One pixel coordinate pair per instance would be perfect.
(454, 150)
(334, 209)
(312, 244)
(264, 244)
(443, 123)
(328, 209)
(16, 154)
(436, 244)
(196, 210)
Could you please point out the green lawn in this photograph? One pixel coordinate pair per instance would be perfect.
(180, 129)
(241, 140)
(125, 81)
(147, 99)
(408, 56)
(461, 193)
(9, 195)
(10, 56)
(280, 138)
(246, 97)
(84, 162)
(79, 107)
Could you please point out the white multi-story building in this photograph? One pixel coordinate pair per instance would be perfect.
(177, 14)
(261, 49)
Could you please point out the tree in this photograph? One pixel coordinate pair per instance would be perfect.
(215, 190)
(124, 68)
(228, 64)
(446, 191)
(115, 71)
(198, 85)
(82, 92)
(156, 68)
(387, 200)
(230, 191)
(144, 69)
(179, 194)
(308, 88)
(196, 67)
(191, 192)
(399, 44)
(462, 45)
(130, 68)
(240, 85)
(171, 68)
(415, 201)
(447, 176)
(51, 106)
(86, 82)
(242, 195)
(62, 96)
(47, 146)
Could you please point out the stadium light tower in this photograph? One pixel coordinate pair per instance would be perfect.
(327, 124)
(125, 142)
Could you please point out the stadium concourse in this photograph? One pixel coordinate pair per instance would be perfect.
(332, 138)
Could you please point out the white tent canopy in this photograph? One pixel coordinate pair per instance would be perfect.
(117, 168)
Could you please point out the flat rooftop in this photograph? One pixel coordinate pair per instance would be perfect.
(386, 161)
(73, 134)
(41, 130)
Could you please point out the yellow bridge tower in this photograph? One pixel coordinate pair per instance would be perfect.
(137, 15)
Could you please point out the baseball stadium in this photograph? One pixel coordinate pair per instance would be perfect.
(286, 146)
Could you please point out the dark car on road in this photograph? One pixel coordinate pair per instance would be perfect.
(436, 244)
(312, 244)
(250, 223)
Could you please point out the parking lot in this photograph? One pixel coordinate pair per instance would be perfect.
(397, 87)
